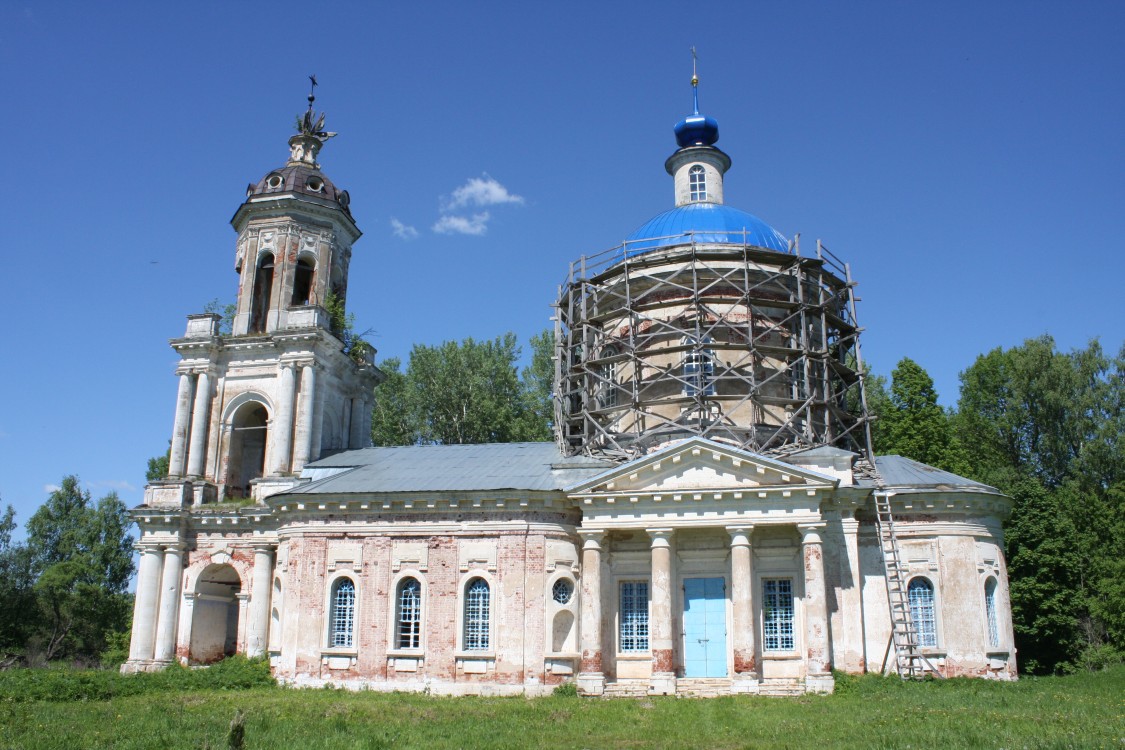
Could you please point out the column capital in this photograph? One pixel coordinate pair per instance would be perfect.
(143, 547)
(591, 538)
(810, 532)
(177, 548)
(740, 534)
(661, 537)
(268, 548)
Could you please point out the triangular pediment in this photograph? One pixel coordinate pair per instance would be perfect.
(699, 464)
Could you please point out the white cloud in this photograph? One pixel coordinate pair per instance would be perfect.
(403, 231)
(49, 488)
(476, 225)
(480, 191)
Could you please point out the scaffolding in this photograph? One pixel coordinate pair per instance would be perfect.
(679, 336)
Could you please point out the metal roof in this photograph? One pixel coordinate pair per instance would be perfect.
(704, 223)
(898, 471)
(449, 468)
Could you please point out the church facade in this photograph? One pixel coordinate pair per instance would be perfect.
(709, 520)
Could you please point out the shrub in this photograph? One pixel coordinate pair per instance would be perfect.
(566, 690)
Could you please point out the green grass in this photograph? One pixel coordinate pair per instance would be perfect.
(1079, 711)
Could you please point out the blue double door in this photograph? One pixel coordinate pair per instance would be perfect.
(705, 627)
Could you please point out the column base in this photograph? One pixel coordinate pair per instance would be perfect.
(662, 683)
(820, 683)
(143, 665)
(591, 683)
(743, 685)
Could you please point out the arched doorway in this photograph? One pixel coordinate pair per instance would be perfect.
(246, 460)
(214, 619)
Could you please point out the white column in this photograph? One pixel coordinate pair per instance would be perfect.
(315, 439)
(851, 604)
(663, 680)
(180, 428)
(144, 606)
(591, 678)
(200, 416)
(281, 430)
(742, 606)
(257, 636)
(355, 440)
(305, 418)
(818, 678)
(169, 604)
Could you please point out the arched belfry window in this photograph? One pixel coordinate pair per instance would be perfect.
(341, 621)
(260, 297)
(303, 281)
(697, 183)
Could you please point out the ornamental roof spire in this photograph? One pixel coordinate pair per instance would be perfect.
(311, 135)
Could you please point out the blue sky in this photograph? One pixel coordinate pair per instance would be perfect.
(967, 160)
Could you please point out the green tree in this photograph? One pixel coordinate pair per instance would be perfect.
(538, 385)
(1046, 428)
(16, 597)
(465, 392)
(392, 419)
(158, 465)
(81, 557)
(915, 426)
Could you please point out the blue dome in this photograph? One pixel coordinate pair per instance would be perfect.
(697, 130)
(704, 222)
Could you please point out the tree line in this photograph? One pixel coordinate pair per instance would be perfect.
(64, 589)
(1045, 427)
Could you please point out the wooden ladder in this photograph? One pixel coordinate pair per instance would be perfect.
(909, 661)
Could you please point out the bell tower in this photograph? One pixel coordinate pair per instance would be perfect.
(286, 385)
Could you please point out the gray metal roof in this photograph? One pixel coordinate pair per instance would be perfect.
(449, 468)
(898, 471)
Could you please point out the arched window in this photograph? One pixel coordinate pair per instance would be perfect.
(260, 298)
(990, 612)
(477, 595)
(408, 615)
(246, 457)
(607, 387)
(303, 281)
(341, 618)
(921, 596)
(697, 182)
(699, 371)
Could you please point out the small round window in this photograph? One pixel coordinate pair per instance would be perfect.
(562, 591)
(315, 184)
(274, 181)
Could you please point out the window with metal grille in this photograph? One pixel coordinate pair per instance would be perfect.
(341, 619)
(699, 373)
(697, 182)
(477, 596)
(921, 596)
(990, 612)
(408, 618)
(634, 615)
(777, 614)
(562, 591)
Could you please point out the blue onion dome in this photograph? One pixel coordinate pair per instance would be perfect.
(697, 130)
(710, 223)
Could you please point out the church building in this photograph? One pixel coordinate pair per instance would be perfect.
(709, 520)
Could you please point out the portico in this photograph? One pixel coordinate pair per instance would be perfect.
(703, 562)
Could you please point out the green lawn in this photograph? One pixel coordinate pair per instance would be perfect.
(1082, 711)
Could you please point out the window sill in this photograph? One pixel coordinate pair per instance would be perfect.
(998, 654)
(340, 651)
(406, 653)
(487, 655)
(781, 655)
(562, 655)
(634, 655)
